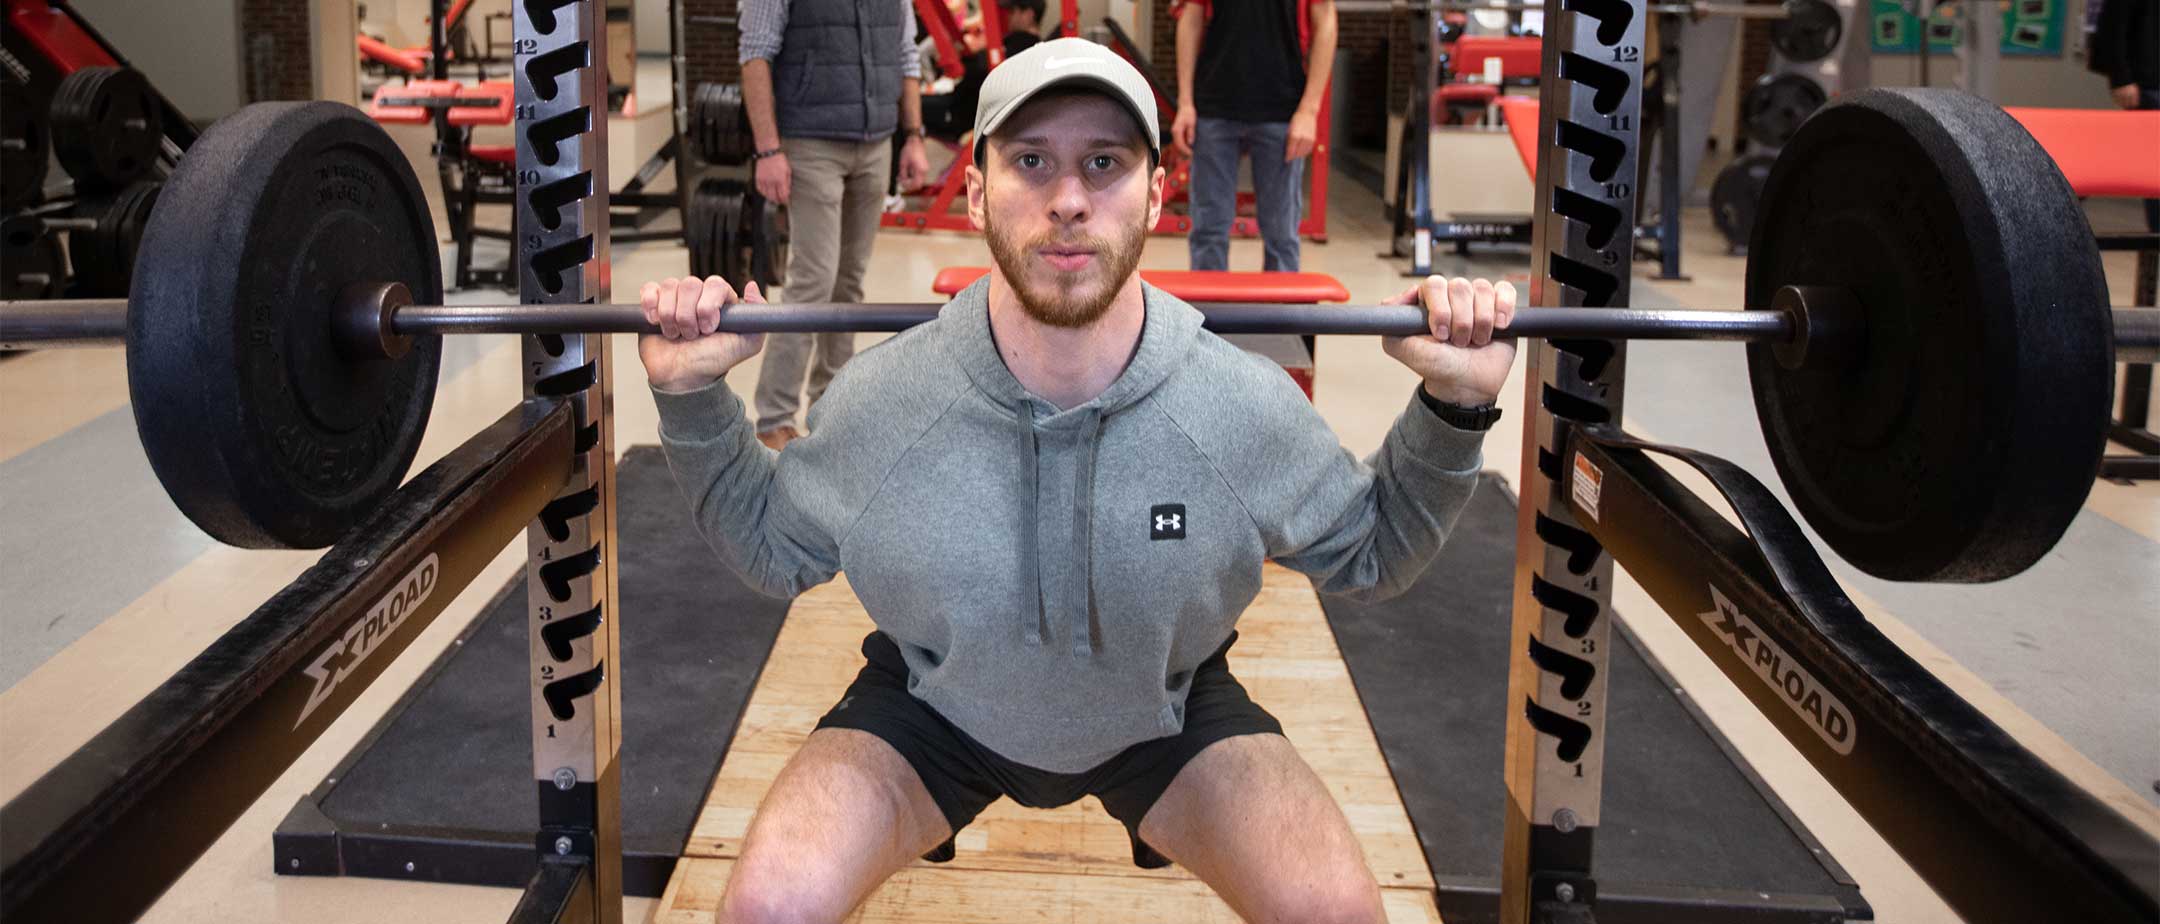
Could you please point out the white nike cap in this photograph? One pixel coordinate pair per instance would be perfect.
(1058, 63)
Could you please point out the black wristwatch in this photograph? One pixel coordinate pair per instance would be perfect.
(1481, 417)
(761, 155)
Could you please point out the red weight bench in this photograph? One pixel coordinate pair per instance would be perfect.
(412, 103)
(472, 174)
(1520, 59)
(1203, 286)
(2102, 152)
(410, 61)
(1521, 115)
(1463, 229)
(2111, 152)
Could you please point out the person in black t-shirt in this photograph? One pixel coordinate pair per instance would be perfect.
(2126, 50)
(1246, 88)
(952, 115)
(1023, 24)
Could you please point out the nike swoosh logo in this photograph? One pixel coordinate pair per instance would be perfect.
(1053, 63)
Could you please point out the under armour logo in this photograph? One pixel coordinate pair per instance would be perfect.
(1169, 521)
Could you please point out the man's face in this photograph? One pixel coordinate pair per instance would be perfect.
(1066, 198)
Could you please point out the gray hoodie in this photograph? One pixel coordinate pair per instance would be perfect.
(1053, 577)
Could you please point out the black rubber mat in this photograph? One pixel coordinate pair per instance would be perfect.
(1686, 834)
(444, 782)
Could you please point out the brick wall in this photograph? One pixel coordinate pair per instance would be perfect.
(1404, 28)
(277, 57)
(709, 50)
(1367, 36)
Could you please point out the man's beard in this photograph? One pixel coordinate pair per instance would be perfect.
(1087, 293)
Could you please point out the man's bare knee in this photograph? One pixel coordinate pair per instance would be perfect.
(767, 899)
(1349, 900)
(844, 814)
(856, 779)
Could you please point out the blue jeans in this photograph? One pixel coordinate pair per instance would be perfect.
(1278, 191)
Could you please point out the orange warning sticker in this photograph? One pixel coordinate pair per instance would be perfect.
(1589, 483)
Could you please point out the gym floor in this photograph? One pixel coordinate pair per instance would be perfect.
(110, 589)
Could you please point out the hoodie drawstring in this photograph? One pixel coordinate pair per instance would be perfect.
(1085, 629)
(1030, 557)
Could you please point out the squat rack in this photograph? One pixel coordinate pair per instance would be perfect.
(1999, 834)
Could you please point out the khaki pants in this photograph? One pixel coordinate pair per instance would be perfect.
(837, 191)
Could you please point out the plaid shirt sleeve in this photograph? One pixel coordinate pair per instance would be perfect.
(910, 56)
(761, 23)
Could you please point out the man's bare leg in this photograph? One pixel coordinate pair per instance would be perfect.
(1255, 823)
(845, 814)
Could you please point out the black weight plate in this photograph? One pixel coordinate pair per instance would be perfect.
(748, 217)
(1736, 196)
(27, 151)
(729, 242)
(264, 433)
(768, 229)
(711, 94)
(701, 226)
(104, 256)
(1809, 32)
(722, 125)
(31, 266)
(106, 126)
(1962, 441)
(1777, 104)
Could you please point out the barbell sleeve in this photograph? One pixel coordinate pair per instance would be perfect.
(45, 324)
(2137, 335)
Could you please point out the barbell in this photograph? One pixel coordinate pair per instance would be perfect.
(1931, 344)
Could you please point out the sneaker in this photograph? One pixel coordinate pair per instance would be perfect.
(778, 437)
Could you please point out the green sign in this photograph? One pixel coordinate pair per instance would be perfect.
(2030, 27)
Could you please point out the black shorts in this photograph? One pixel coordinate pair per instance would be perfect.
(964, 777)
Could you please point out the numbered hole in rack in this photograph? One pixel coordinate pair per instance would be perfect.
(544, 73)
(546, 136)
(1575, 673)
(556, 516)
(1610, 83)
(555, 576)
(1574, 407)
(541, 13)
(549, 199)
(1591, 357)
(1605, 151)
(558, 635)
(561, 695)
(1583, 549)
(1573, 736)
(1601, 221)
(552, 266)
(1613, 16)
(1581, 611)
(1597, 285)
(567, 382)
